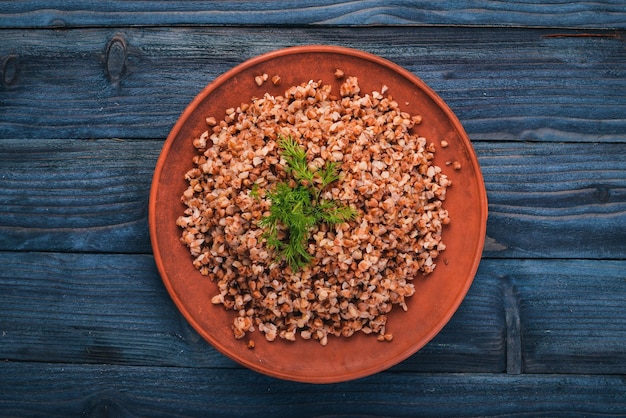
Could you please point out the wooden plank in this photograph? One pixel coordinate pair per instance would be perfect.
(76, 195)
(545, 199)
(114, 309)
(94, 309)
(573, 315)
(579, 14)
(503, 84)
(555, 200)
(40, 389)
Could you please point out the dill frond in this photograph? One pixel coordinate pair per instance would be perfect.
(329, 174)
(295, 155)
(254, 191)
(332, 213)
(294, 211)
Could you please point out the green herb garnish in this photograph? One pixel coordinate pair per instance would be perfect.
(296, 209)
(254, 192)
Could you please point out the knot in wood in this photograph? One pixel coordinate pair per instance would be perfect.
(115, 61)
(9, 70)
(603, 193)
(58, 23)
(106, 405)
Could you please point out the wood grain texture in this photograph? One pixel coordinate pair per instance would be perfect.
(101, 390)
(579, 14)
(113, 309)
(555, 200)
(503, 84)
(89, 92)
(76, 195)
(571, 313)
(545, 199)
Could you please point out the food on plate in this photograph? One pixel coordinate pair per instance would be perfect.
(314, 212)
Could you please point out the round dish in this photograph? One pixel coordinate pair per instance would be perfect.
(437, 296)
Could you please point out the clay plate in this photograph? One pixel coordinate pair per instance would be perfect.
(437, 296)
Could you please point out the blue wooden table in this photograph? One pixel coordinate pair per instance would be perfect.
(88, 94)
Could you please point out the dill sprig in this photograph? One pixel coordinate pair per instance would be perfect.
(295, 155)
(295, 210)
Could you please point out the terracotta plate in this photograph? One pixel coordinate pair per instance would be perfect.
(436, 298)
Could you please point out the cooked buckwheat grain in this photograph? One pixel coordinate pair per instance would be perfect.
(360, 268)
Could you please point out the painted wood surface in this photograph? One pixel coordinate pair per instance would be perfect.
(513, 84)
(72, 297)
(113, 309)
(61, 13)
(546, 200)
(110, 390)
(88, 94)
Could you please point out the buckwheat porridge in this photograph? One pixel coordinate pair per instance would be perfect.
(366, 206)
